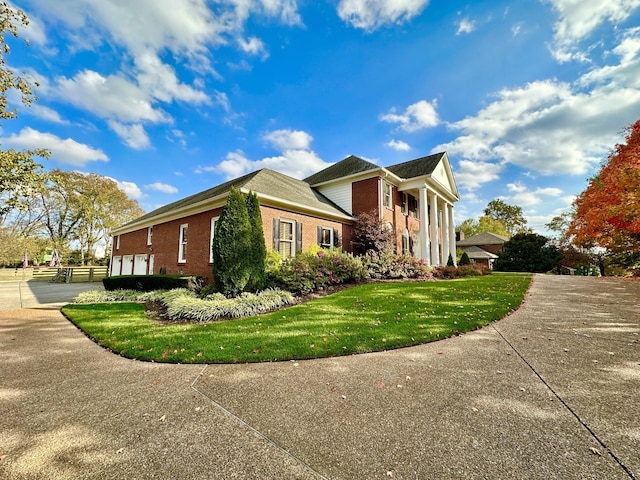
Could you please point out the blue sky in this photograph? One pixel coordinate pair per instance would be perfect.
(170, 97)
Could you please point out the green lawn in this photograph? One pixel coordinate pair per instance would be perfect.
(365, 318)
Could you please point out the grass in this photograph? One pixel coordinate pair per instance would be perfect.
(365, 318)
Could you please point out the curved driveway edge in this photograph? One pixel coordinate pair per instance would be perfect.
(549, 392)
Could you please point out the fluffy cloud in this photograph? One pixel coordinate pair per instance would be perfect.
(296, 158)
(466, 26)
(522, 196)
(372, 14)
(161, 187)
(471, 175)
(133, 136)
(130, 188)
(553, 127)
(577, 19)
(66, 151)
(420, 115)
(398, 145)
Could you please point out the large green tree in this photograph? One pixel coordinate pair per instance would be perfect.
(510, 216)
(19, 172)
(471, 227)
(231, 242)
(527, 252)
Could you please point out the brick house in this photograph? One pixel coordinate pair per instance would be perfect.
(483, 248)
(320, 209)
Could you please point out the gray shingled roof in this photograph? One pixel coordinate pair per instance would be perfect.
(478, 253)
(485, 238)
(265, 182)
(418, 167)
(349, 166)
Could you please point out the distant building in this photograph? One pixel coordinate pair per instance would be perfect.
(483, 248)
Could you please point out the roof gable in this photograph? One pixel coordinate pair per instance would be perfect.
(418, 167)
(344, 168)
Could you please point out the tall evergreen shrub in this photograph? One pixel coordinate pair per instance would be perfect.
(231, 246)
(464, 259)
(258, 250)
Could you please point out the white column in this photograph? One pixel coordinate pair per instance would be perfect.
(435, 261)
(424, 226)
(452, 233)
(445, 233)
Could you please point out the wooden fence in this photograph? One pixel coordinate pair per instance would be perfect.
(57, 274)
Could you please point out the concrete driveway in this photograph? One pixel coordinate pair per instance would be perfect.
(30, 294)
(549, 392)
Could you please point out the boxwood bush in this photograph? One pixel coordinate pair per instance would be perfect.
(147, 283)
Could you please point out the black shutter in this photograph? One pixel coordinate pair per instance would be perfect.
(276, 234)
(298, 237)
(336, 240)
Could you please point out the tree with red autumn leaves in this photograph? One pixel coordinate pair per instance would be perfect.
(608, 211)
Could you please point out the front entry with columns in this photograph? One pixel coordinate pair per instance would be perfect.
(438, 240)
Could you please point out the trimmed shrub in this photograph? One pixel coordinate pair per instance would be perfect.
(308, 271)
(450, 262)
(390, 266)
(464, 259)
(460, 271)
(147, 283)
(231, 242)
(258, 252)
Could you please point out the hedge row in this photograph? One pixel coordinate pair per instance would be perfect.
(148, 283)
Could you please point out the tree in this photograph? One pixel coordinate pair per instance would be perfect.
(369, 233)
(18, 171)
(231, 242)
(258, 251)
(510, 215)
(471, 227)
(527, 252)
(464, 259)
(608, 211)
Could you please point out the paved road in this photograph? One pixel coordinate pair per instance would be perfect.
(549, 392)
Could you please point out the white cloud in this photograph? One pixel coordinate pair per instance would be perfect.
(553, 127)
(296, 157)
(466, 26)
(398, 145)
(522, 196)
(417, 116)
(66, 151)
(133, 135)
(471, 175)
(372, 14)
(578, 19)
(289, 139)
(161, 187)
(46, 113)
(130, 188)
(254, 46)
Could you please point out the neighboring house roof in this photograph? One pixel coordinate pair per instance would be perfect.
(344, 168)
(484, 238)
(477, 253)
(270, 186)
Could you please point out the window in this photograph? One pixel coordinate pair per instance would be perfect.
(286, 239)
(149, 235)
(182, 245)
(118, 242)
(405, 242)
(387, 195)
(327, 237)
(214, 222)
(405, 203)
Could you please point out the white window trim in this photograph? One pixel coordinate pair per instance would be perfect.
(405, 203)
(386, 185)
(182, 256)
(117, 242)
(212, 227)
(149, 235)
(331, 239)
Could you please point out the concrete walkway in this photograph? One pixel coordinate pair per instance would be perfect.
(549, 392)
